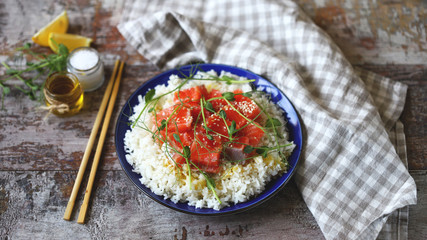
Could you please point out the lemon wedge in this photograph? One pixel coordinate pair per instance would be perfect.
(71, 41)
(58, 25)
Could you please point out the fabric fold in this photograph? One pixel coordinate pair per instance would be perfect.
(350, 176)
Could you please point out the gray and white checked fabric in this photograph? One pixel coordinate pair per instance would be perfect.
(352, 174)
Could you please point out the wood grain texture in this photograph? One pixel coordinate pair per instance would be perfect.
(417, 213)
(39, 158)
(32, 204)
(375, 32)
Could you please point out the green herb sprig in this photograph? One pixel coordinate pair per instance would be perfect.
(43, 65)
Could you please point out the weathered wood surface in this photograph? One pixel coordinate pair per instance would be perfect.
(377, 31)
(32, 204)
(39, 159)
(33, 212)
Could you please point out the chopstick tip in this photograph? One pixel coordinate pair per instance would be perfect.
(68, 210)
(82, 214)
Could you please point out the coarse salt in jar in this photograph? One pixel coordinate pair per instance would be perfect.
(87, 65)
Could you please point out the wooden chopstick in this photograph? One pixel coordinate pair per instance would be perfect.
(89, 146)
(107, 117)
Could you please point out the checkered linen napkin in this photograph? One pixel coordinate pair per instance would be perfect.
(351, 176)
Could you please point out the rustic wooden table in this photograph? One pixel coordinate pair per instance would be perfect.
(39, 159)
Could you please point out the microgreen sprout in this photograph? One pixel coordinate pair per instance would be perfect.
(208, 106)
(149, 95)
(229, 96)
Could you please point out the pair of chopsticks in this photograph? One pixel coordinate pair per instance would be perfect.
(110, 94)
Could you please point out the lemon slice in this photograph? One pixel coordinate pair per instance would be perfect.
(58, 25)
(71, 41)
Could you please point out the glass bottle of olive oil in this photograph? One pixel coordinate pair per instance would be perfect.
(63, 94)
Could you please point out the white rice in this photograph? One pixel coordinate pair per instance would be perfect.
(235, 183)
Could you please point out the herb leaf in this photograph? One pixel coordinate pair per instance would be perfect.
(247, 94)
(210, 183)
(229, 96)
(209, 107)
(222, 114)
(248, 149)
(163, 125)
(262, 151)
(63, 50)
(11, 71)
(186, 151)
(149, 95)
(272, 123)
(209, 136)
(232, 128)
(176, 137)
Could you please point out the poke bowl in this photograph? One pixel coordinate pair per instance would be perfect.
(191, 167)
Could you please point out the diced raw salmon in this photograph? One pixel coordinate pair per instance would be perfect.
(217, 124)
(234, 115)
(181, 119)
(195, 110)
(217, 104)
(253, 133)
(201, 136)
(186, 139)
(205, 157)
(191, 94)
(246, 106)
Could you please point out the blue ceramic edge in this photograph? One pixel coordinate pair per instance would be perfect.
(293, 126)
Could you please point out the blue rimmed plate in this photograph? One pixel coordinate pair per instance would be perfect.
(293, 126)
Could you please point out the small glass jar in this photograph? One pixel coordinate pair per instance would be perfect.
(87, 65)
(63, 94)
